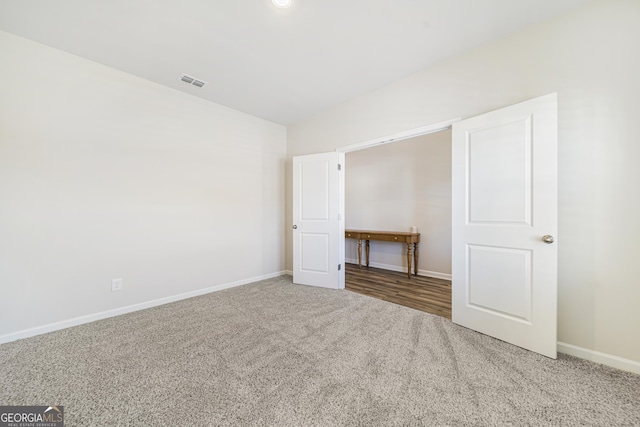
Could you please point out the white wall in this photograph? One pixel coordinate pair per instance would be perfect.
(397, 185)
(591, 58)
(104, 175)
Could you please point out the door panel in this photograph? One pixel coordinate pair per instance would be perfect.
(315, 253)
(314, 199)
(508, 294)
(504, 200)
(318, 218)
(509, 201)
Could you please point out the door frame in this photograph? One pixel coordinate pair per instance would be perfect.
(411, 133)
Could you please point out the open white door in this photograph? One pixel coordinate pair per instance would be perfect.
(318, 220)
(504, 222)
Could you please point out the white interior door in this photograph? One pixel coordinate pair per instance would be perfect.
(318, 218)
(504, 220)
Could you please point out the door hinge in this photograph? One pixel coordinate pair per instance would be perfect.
(339, 267)
(339, 167)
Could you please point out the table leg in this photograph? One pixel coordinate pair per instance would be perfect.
(415, 258)
(359, 252)
(409, 260)
(366, 251)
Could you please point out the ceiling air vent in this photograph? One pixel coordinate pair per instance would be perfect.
(186, 79)
(191, 80)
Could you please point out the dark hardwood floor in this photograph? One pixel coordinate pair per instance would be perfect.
(422, 293)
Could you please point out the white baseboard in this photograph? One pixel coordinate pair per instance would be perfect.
(427, 273)
(434, 274)
(26, 333)
(602, 358)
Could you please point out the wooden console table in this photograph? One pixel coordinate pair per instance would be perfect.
(411, 239)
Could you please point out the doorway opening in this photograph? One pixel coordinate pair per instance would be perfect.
(393, 187)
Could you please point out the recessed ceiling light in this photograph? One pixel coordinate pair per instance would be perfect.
(282, 4)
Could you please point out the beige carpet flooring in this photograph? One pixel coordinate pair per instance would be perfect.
(274, 353)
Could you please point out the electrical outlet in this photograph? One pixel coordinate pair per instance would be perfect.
(116, 285)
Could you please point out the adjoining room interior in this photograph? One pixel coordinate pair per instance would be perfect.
(392, 187)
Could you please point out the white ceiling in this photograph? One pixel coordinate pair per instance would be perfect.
(281, 65)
